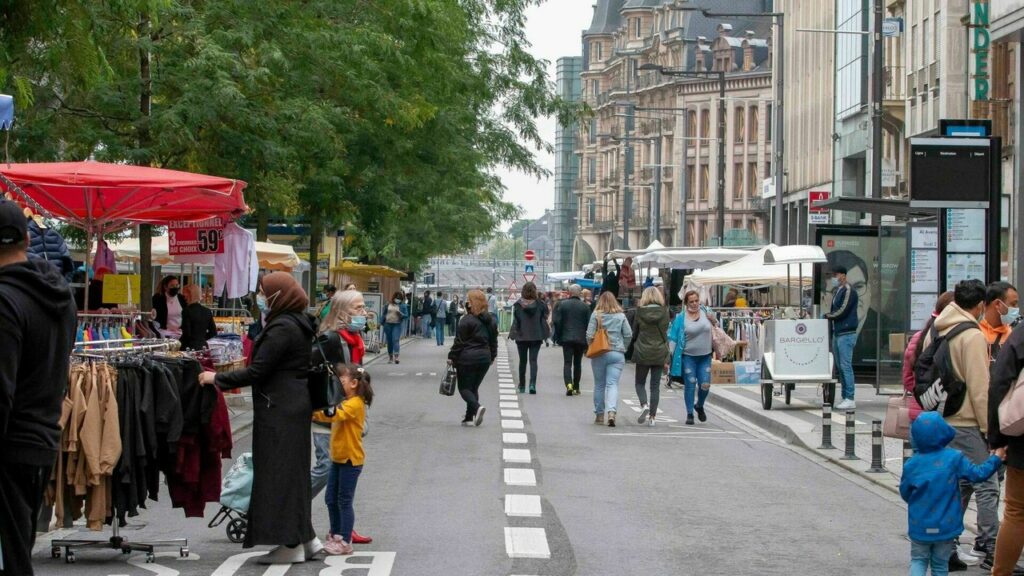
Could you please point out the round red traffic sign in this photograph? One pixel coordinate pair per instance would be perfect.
(529, 255)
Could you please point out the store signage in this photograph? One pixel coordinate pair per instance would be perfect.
(190, 238)
(816, 214)
(798, 348)
(892, 27)
(981, 41)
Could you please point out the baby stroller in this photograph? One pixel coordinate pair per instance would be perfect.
(234, 499)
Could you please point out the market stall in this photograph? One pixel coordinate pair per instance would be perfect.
(275, 257)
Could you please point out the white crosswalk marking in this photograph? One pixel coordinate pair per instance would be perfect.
(516, 455)
(526, 543)
(520, 477)
(527, 505)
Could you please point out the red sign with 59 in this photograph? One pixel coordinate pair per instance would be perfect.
(203, 237)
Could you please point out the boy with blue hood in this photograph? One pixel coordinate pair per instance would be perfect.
(930, 486)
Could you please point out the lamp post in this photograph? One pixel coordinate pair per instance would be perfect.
(779, 135)
(721, 131)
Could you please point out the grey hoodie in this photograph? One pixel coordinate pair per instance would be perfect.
(618, 329)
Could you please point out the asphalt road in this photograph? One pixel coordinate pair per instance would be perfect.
(716, 498)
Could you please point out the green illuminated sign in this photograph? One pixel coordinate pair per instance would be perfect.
(980, 47)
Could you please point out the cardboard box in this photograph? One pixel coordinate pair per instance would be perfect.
(723, 373)
(748, 373)
(897, 344)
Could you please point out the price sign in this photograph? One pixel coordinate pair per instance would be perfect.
(121, 288)
(190, 238)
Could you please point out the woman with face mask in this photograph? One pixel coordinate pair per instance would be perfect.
(394, 314)
(690, 340)
(279, 511)
(168, 304)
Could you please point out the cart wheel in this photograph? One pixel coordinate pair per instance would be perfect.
(789, 392)
(55, 552)
(828, 393)
(69, 557)
(236, 530)
(766, 396)
(150, 558)
(184, 552)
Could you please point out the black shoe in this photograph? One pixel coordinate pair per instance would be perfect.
(956, 564)
(533, 389)
(689, 419)
(522, 388)
(701, 415)
(987, 563)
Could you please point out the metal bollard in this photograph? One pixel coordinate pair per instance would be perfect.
(908, 451)
(877, 448)
(851, 438)
(826, 428)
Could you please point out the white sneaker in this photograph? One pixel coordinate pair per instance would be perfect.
(650, 422)
(643, 415)
(846, 404)
(284, 555)
(312, 548)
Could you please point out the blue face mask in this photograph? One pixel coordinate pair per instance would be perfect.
(261, 303)
(398, 301)
(1010, 317)
(357, 323)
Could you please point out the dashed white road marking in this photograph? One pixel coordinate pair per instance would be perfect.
(514, 438)
(516, 455)
(512, 424)
(508, 397)
(527, 505)
(526, 543)
(520, 477)
(511, 413)
(508, 404)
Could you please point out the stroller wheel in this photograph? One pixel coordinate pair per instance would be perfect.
(236, 530)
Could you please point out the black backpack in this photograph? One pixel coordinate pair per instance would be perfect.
(936, 385)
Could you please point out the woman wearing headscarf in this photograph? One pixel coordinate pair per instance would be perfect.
(279, 511)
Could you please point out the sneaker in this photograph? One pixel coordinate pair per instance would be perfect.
(479, 418)
(312, 548)
(846, 404)
(956, 564)
(396, 360)
(344, 548)
(644, 411)
(689, 419)
(701, 414)
(358, 538)
(650, 422)
(284, 555)
(467, 422)
(987, 563)
(522, 388)
(599, 419)
(568, 388)
(611, 419)
(533, 388)
(575, 390)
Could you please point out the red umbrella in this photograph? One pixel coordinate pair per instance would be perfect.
(100, 197)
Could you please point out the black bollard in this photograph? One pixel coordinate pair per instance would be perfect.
(826, 428)
(851, 438)
(877, 448)
(908, 451)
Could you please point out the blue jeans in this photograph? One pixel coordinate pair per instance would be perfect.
(935, 553)
(607, 370)
(322, 467)
(393, 333)
(425, 328)
(697, 379)
(341, 495)
(439, 325)
(842, 347)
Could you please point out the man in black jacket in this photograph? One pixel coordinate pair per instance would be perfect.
(1004, 374)
(611, 279)
(570, 320)
(37, 331)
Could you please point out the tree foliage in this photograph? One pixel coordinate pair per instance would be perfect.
(385, 116)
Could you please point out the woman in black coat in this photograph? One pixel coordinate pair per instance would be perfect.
(197, 325)
(279, 512)
(474, 350)
(529, 329)
(168, 304)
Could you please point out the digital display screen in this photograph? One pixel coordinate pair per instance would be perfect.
(948, 173)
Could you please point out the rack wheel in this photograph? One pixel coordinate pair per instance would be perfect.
(55, 552)
(150, 558)
(183, 552)
(767, 390)
(69, 557)
(236, 530)
(789, 392)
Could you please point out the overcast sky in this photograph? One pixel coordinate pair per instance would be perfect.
(553, 29)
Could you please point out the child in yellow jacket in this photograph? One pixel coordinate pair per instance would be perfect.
(347, 455)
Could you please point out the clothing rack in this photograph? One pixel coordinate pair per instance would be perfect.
(126, 345)
(116, 541)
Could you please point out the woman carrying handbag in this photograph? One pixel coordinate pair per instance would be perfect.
(607, 335)
(691, 339)
(474, 350)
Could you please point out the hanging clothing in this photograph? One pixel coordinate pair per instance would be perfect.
(47, 244)
(105, 262)
(238, 268)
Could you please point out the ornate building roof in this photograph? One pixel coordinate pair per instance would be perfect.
(606, 17)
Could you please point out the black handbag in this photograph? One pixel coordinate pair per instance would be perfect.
(449, 381)
(323, 383)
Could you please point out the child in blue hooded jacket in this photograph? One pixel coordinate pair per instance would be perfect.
(931, 488)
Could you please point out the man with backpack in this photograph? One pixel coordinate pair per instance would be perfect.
(952, 376)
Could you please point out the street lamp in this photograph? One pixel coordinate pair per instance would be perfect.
(778, 137)
(721, 131)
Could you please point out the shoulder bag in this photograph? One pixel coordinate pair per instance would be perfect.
(600, 344)
(1011, 409)
(323, 383)
(448, 381)
(897, 417)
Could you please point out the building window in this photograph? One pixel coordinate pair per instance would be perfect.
(591, 210)
(752, 183)
(753, 124)
(705, 179)
(595, 87)
(740, 127)
(637, 24)
(691, 183)
(691, 234)
(737, 182)
(705, 124)
(768, 169)
(600, 51)
(768, 124)
(591, 171)
(691, 127)
(592, 133)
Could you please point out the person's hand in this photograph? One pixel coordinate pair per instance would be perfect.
(207, 378)
(1001, 452)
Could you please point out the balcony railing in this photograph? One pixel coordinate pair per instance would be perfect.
(895, 82)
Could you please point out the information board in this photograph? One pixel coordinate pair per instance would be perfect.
(192, 238)
(924, 237)
(921, 307)
(924, 271)
(923, 255)
(964, 267)
(965, 230)
(121, 288)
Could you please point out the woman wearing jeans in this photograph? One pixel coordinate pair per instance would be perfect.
(650, 350)
(395, 312)
(690, 336)
(608, 366)
(529, 329)
(474, 350)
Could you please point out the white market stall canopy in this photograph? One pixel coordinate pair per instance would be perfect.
(654, 246)
(692, 258)
(271, 256)
(795, 254)
(562, 276)
(752, 270)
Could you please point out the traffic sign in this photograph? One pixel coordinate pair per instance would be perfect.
(529, 277)
(529, 255)
(528, 268)
(512, 287)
